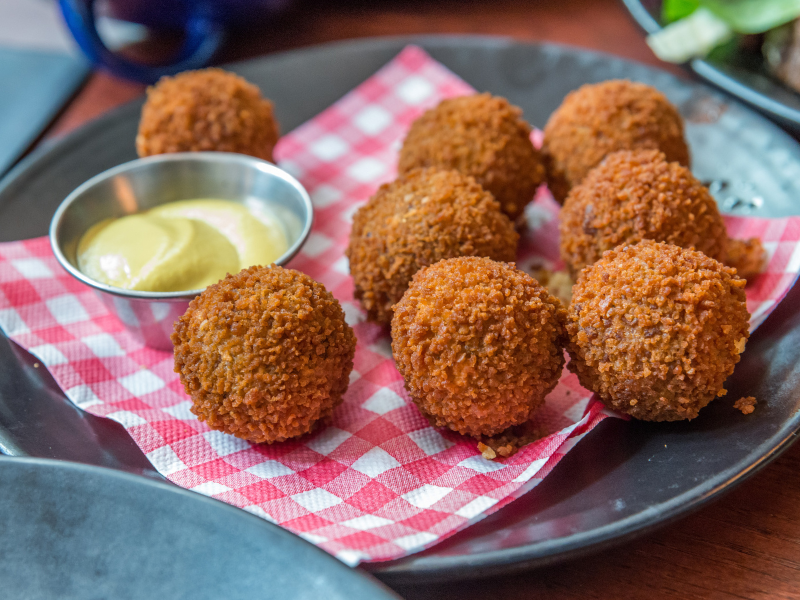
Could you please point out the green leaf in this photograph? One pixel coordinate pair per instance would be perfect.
(674, 10)
(753, 16)
(691, 37)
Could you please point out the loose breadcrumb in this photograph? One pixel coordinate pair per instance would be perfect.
(482, 136)
(479, 344)
(487, 452)
(210, 110)
(747, 405)
(748, 257)
(508, 442)
(598, 119)
(264, 354)
(558, 283)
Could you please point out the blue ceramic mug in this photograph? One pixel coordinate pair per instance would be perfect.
(203, 23)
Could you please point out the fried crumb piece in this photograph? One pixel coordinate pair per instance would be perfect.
(747, 404)
(748, 257)
(486, 451)
(558, 283)
(508, 442)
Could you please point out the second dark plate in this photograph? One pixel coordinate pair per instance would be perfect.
(741, 75)
(74, 532)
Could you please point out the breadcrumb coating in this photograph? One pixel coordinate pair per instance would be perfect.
(210, 110)
(419, 219)
(655, 330)
(483, 136)
(479, 344)
(598, 119)
(264, 354)
(638, 195)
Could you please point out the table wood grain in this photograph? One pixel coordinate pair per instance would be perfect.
(745, 545)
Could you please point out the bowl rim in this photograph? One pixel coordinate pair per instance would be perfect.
(199, 156)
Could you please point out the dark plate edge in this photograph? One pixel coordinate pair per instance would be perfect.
(523, 558)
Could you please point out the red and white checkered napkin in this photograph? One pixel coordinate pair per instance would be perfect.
(378, 482)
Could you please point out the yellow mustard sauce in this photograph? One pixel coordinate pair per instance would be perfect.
(180, 246)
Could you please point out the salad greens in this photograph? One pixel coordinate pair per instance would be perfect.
(697, 26)
(674, 10)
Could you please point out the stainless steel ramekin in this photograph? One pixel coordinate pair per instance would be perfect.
(148, 182)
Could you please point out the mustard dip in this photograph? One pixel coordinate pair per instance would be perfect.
(180, 246)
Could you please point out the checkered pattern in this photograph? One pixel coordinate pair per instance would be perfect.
(378, 482)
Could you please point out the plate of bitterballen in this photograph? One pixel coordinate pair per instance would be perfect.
(650, 307)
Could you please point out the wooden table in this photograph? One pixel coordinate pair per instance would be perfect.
(746, 545)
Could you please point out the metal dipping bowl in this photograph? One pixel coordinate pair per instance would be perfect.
(148, 182)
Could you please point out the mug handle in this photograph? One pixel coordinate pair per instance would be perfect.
(203, 37)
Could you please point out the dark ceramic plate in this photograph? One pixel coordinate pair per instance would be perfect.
(73, 531)
(623, 479)
(741, 73)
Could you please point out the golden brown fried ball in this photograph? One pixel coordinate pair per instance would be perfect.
(483, 136)
(655, 330)
(479, 344)
(601, 118)
(209, 109)
(264, 354)
(417, 220)
(638, 195)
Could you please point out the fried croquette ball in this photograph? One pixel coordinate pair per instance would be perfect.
(638, 195)
(483, 136)
(655, 330)
(479, 344)
(264, 354)
(209, 109)
(421, 218)
(598, 119)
